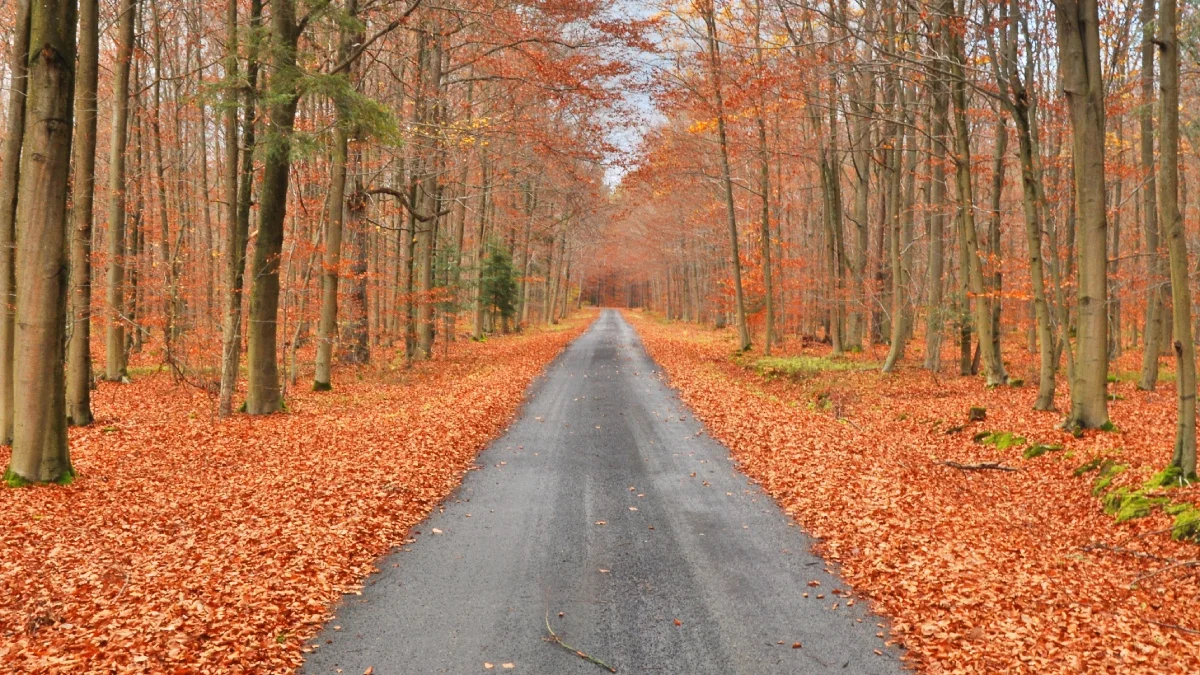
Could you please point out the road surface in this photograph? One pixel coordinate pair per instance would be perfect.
(605, 502)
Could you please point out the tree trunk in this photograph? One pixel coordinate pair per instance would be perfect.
(714, 58)
(531, 205)
(10, 175)
(39, 451)
(1152, 334)
(995, 287)
(1020, 102)
(935, 312)
(238, 190)
(1184, 456)
(973, 268)
(171, 309)
(764, 186)
(331, 269)
(425, 238)
(481, 243)
(1079, 57)
(902, 234)
(79, 357)
(355, 338)
(115, 329)
(263, 388)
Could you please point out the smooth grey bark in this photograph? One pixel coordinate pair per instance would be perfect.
(10, 176)
(239, 177)
(39, 449)
(969, 244)
(79, 357)
(935, 313)
(264, 394)
(114, 342)
(1153, 332)
(1018, 98)
(1184, 455)
(714, 59)
(336, 209)
(1079, 49)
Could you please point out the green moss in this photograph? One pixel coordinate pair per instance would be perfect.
(1039, 449)
(68, 477)
(1108, 471)
(14, 480)
(1016, 382)
(322, 386)
(1090, 466)
(1003, 440)
(1187, 522)
(1169, 477)
(981, 436)
(1128, 504)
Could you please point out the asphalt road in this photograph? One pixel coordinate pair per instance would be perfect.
(606, 502)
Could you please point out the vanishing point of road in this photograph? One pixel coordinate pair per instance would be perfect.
(606, 510)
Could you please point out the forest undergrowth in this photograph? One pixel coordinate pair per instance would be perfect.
(1001, 545)
(191, 544)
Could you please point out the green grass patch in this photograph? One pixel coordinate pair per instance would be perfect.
(804, 366)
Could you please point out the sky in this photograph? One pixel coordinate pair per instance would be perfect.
(638, 112)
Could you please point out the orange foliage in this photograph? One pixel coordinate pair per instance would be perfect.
(980, 571)
(191, 544)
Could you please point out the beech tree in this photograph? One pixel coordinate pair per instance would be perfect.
(40, 452)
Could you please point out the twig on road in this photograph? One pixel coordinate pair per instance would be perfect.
(586, 657)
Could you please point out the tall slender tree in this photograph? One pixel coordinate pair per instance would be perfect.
(79, 356)
(1079, 49)
(1184, 456)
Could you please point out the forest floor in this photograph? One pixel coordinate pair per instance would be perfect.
(981, 568)
(189, 543)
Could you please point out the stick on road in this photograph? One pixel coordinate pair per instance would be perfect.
(604, 501)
